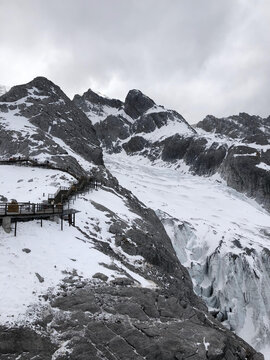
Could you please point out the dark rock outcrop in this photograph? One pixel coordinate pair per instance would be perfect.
(136, 103)
(241, 171)
(135, 144)
(95, 99)
(111, 130)
(26, 343)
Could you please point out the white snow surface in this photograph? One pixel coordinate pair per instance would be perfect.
(53, 254)
(218, 234)
(173, 127)
(32, 184)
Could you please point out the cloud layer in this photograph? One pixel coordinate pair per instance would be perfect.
(198, 57)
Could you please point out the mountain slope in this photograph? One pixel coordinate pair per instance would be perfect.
(110, 287)
(70, 300)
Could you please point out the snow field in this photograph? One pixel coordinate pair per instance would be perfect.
(218, 234)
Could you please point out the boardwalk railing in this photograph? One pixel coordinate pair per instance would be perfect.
(53, 196)
(35, 163)
(9, 209)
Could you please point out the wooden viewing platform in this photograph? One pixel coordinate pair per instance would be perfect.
(23, 211)
(13, 212)
(29, 209)
(35, 163)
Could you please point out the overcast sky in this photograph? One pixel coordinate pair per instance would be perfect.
(198, 57)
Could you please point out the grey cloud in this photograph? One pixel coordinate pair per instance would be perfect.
(198, 57)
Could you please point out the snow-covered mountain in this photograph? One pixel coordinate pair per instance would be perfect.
(221, 236)
(113, 286)
(236, 148)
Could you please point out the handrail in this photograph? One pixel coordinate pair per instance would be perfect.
(29, 209)
(47, 164)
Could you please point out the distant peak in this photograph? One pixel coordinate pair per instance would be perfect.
(43, 83)
(97, 99)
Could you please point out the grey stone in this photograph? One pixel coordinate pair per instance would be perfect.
(100, 276)
(122, 281)
(40, 278)
(116, 228)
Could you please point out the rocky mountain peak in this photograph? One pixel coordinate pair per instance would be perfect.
(136, 103)
(97, 99)
(39, 86)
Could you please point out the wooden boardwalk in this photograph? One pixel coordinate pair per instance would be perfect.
(55, 206)
(29, 209)
(34, 163)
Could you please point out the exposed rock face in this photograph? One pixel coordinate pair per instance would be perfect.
(111, 130)
(26, 343)
(203, 160)
(97, 322)
(135, 144)
(36, 117)
(136, 103)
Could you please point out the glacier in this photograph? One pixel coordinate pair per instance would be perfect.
(221, 236)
